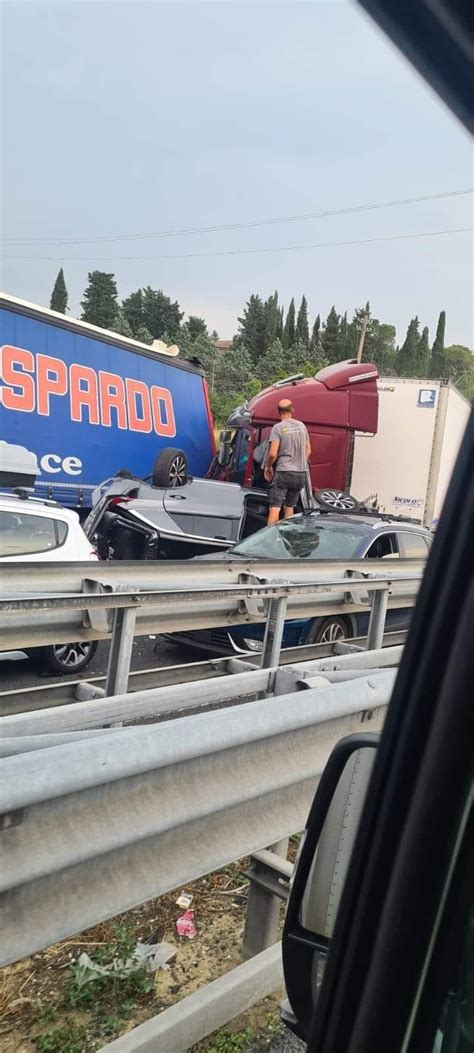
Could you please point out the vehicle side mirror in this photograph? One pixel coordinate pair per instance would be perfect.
(320, 872)
(225, 448)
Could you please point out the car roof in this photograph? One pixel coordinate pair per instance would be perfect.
(35, 505)
(365, 523)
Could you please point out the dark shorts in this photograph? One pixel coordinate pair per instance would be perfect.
(286, 488)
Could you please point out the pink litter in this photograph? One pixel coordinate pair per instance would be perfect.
(185, 925)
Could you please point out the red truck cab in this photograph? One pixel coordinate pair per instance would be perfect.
(334, 404)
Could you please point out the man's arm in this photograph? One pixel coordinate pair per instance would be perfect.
(271, 458)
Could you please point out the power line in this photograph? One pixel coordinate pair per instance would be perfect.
(238, 226)
(243, 252)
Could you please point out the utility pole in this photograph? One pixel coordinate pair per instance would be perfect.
(365, 322)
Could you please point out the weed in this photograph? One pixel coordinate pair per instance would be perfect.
(67, 1039)
(120, 993)
(232, 1042)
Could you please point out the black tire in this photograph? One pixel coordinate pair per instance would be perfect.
(64, 659)
(336, 500)
(328, 630)
(170, 468)
(124, 473)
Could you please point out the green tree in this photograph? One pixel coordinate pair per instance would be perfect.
(316, 333)
(460, 361)
(161, 316)
(251, 333)
(423, 354)
(331, 337)
(272, 320)
(233, 371)
(195, 326)
(407, 355)
(59, 296)
(289, 329)
(280, 324)
(132, 308)
(121, 325)
(438, 366)
(143, 335)
(273, 364)
(379, 347)
(297, 358)
(302, 329)
(100, 306)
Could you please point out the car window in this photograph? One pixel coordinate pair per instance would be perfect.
(413, 546)
(22, 533)
(304, 539)
(384, 547)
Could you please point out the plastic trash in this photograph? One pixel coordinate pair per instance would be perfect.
(184, 900)
(149, 956)
(185, 925)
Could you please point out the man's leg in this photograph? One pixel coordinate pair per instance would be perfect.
(291, 500)
(273, 515)
(276, 497)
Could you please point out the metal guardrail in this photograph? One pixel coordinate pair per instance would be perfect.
(60, 693)
(98, 820)
(119, 601)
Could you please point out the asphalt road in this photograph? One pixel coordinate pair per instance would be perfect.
(148, 652)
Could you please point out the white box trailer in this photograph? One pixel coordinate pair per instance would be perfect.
(405, 468)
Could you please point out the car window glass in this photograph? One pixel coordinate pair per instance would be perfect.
(22, 533)
(413, 546)
(303, 539)
(383, 547)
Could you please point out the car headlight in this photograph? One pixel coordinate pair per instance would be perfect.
(253, 645)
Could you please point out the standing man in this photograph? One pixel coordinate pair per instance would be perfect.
(287, 462)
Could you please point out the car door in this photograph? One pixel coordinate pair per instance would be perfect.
(386, 546)
(398, 960)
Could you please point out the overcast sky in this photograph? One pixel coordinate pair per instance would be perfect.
(122, 118)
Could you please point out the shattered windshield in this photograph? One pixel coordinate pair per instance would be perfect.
(303, 539)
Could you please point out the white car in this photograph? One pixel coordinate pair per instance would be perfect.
(32, 530)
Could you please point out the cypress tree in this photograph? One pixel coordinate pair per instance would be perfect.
(438, 366)
(289, 328)
(423, 354)
(59, 295)
(302, 330)
(331, 337)
(407, 355)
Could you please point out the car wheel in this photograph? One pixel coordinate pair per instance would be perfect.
(170, 468)
(68, 657)
(328, 631)
(336, 500)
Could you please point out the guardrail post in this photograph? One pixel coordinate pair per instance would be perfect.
(120, 653)
(378, 613)
(274, 632)
(262, 917)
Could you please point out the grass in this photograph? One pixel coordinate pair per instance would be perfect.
(66, 1039)
(231, 1042)
(108, 1001)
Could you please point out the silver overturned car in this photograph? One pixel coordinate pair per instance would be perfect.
(132, 519)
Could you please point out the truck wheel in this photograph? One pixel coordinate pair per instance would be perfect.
(328, 630)
(336, 500)
(67, 658)
(170, 468)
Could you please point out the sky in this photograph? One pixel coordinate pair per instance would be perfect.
(136, 118)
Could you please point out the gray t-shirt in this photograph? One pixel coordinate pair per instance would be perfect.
(292, 436)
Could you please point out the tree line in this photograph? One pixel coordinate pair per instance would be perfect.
(269, 344)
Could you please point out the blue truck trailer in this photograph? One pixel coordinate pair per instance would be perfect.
(89, 402)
